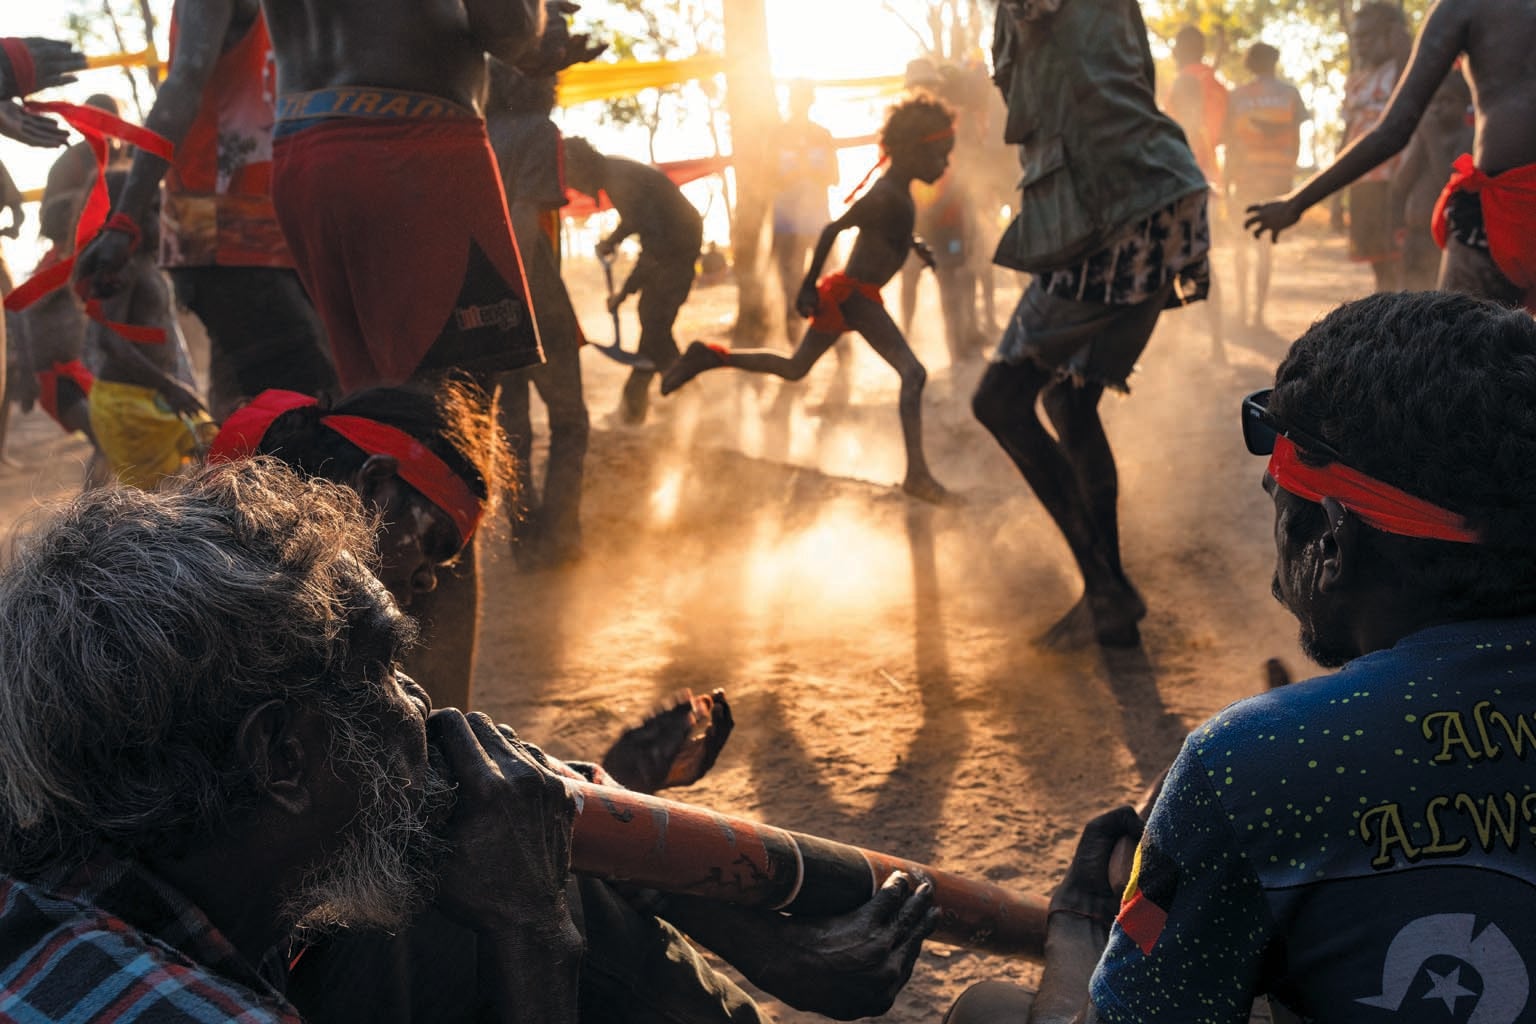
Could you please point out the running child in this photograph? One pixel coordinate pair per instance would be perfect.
(918, 136)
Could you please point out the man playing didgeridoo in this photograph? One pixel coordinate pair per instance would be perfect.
(1486, 218)
(387, 193)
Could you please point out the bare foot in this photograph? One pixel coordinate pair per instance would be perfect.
(926, 488)
(675, 746)
(1115, 616)
(698, 358)
(1072, 631)
(1108, 620)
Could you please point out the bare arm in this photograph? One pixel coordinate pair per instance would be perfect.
(505, 28)
(1440, 41)
(202, 28)
(1082, 909)
(551, 303)
(143, 303)
(1415, 162)
(10, 198)
(853, 218)
(506, 876)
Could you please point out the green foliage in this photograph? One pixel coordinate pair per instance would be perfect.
(648, 30)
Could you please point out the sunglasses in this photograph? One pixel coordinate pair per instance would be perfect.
(1261, 427)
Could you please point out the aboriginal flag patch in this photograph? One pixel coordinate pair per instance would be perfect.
(1148, 894)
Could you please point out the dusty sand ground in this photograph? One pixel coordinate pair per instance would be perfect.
(877, 651)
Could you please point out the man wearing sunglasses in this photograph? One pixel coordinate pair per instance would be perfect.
(1358, 846)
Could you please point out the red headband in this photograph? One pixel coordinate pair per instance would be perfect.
(97, 126)
(885, 158)
(23, 70)
(1379, 504)
(419, 466)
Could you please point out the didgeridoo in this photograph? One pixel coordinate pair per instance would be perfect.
(682, 848)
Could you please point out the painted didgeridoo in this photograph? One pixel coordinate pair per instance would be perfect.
(676, 847)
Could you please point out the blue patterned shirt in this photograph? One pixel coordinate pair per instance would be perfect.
(1361, 847)
(111, 942)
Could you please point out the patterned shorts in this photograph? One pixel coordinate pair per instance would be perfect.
(1172, 244)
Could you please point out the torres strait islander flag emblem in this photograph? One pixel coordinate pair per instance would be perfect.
(1148, 894)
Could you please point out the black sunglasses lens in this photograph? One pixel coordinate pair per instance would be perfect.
(1258, 433)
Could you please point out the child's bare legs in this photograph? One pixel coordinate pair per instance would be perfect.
(700, 357)
(872, 321)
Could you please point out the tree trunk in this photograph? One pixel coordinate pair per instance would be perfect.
(754, 116)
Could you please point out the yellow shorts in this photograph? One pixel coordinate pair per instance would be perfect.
(143, 441)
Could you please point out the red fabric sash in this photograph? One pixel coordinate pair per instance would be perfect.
(834, 290)
(97, 126)
(48, 385)
(1379, 504)
(1509, 215)
(242, 434)
(23, 70)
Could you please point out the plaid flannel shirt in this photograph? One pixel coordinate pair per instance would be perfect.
(109, 941)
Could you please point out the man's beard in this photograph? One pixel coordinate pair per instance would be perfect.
(1325, 653)
(385, 869)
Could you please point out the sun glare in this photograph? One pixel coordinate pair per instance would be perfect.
(834, 39)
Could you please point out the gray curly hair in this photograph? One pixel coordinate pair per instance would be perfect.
(138, 629)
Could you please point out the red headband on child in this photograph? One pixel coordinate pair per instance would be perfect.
(419, 466)
(885, 158)
(1379, 504)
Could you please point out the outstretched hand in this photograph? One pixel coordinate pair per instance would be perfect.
(1274, 216)
(675, 746)
(54, 62)
(180, 400)
(855, 964)
(510, 834)
(29, 128)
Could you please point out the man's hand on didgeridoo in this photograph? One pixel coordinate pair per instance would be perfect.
(509, 836)
(852, 965)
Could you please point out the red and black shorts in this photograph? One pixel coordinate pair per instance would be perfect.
(394, 211)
